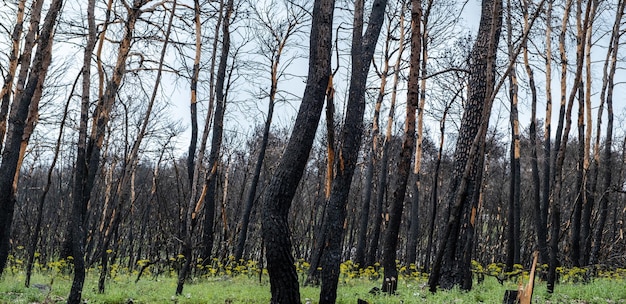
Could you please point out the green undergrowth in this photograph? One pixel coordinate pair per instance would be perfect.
(230, 282)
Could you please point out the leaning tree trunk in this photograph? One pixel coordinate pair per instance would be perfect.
(452, 263)
(314, 273)
(288, 29)
(607, 154)
(34, 240)
(282, 188)
(20, 111)
(124, 187)
(14, 59)
(362, 52)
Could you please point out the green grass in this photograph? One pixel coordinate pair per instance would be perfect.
(244, 289)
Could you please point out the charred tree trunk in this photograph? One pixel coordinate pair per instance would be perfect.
(282, 188)
(562, 133)
(278, 44)
(392, 232)
(88, 153)
(452, 264)
(607, 153)
(513, 223)
(363, 47)
(540, 225)
(12, 154)
(586, 191)
(216, 140)
(413, 233)
(384, 158)
(34, 241)
(189, 213)
(193, 110)
(14, 59)
(372, 159)
(124, 191)
(434, 200)
(546, 183)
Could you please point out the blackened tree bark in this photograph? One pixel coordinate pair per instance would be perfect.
(413, 233)
(193, 109)
(34, 239)
(608, 87)
(124, 187)
(210, 183)
(17, 121)
(363, 46)
(555, 214)
(189, 216)
(588, 187)
(272, 48)
(563, 129)
(546, 183)
(434, 200)
(381, 185)
(392, 232)
(282, 188)
(513, 223)
(372, 150)
(452, 263)
(581, 202)
(89, 150)
(540, 225)
(314, 273)
(575, 250)
(14, 59)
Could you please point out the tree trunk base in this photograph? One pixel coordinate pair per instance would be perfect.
(510, 297)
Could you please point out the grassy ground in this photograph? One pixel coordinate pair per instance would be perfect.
(244, 289)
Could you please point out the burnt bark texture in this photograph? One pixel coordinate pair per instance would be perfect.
(452, 263)
(513, 218)
(282, 188)
(89, 150)
(12, 154)
(363, 47)
(392, 232)
(539, 221)
(604, 194)
(216, 139)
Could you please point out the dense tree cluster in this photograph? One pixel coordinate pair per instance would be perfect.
(405, 138)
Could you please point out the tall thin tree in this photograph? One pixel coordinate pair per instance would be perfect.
(392, 233)
(89, 150)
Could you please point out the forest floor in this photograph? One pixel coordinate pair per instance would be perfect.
(52, 285)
